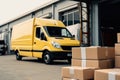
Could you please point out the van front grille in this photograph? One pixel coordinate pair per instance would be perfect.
(68, 47)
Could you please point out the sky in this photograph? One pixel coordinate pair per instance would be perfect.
(10, 9)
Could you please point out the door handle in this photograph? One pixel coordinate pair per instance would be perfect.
(34, 42)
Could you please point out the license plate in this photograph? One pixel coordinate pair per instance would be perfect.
(69, 54)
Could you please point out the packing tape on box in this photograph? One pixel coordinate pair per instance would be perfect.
(83, 63)
(112, 75)
(83, 53)
(71, 70)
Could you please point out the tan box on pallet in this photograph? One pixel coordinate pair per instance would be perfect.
(78, 73)
(107, 74)
(117, 61)
(117, 49)
(69, 79)
(102, 64)
(93, 52)
(74, 79)
(118, 37)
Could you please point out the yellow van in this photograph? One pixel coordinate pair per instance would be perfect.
(44, 39)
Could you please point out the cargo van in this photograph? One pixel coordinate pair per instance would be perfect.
(44, 39)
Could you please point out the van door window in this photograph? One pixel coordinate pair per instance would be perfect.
(38, 31)
(43, 36)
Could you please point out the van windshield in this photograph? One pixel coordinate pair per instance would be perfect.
(57, 32)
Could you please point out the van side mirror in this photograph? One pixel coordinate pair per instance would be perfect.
(73, 36)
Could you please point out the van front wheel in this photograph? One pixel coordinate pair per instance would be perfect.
(47, 57)
(18, 57)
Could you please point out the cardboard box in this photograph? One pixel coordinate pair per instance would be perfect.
(93, 52)
(74, 79)
(118, 37)
(110, 52)
(78, 73)
(69, 79)
(107, 74)
(117, 49)
(101, 64)
(117, 61)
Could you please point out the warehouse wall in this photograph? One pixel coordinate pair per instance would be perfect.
(64, 5)
(4, 27)
(43, 12)
(20, 20)
(5, 33)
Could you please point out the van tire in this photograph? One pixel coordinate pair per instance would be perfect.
(18, 57)
(47, 57)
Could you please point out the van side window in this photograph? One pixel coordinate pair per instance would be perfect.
(38, 32)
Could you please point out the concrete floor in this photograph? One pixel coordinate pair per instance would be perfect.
(29, 69)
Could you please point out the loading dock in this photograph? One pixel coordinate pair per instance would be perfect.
(109, 22)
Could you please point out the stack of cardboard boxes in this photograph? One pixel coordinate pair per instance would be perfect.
(111, 74)
(94, 63)
(117, 52)
(85, 60)
(99, 57)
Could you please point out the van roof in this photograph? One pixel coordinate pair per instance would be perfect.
(48, 22)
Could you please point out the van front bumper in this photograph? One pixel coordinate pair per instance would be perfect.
(61, 55)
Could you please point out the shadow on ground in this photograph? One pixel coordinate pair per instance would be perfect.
(55, 62)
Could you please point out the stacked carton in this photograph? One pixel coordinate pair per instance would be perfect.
(117, 55)
(111, 74)
(85, 60)
(99, 57)
(77, 73)
(117, 52)
(107, 74)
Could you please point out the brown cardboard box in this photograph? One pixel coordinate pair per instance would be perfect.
(117, 49)
(118, 37)
(102, 64)
(107, 74)
(91, 53)
(117, 61)
(110, 52)
(69, 79)
(74, 79)
(78, 73)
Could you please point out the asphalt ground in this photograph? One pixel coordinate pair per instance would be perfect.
(29, 69)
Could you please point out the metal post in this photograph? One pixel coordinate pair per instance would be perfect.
(94, 24)
(84, 28)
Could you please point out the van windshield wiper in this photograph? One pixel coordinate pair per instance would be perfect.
(58, 37)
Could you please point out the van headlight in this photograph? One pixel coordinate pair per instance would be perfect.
(56, 45)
